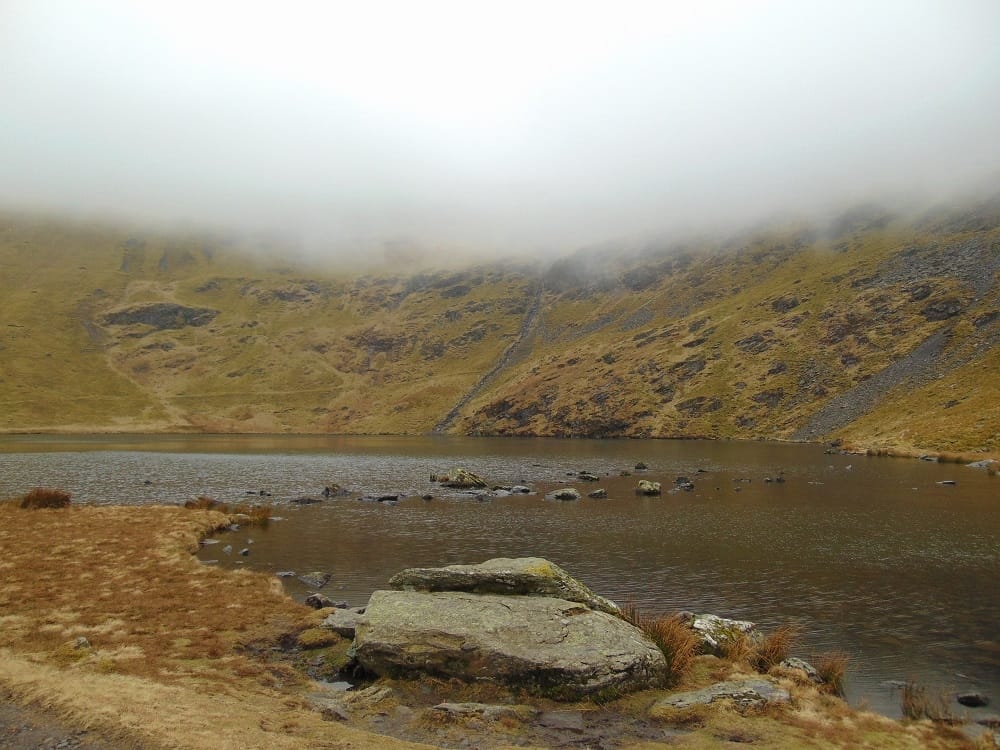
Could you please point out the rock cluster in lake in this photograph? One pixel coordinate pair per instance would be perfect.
(522, 622)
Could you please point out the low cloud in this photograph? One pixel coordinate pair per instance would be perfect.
(504, 128)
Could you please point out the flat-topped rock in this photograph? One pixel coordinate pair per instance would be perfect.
(750, 693)
(522, 576)
(545, 645)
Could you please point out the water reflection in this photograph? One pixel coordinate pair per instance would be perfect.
(878, 559)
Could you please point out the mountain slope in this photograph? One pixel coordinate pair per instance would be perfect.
(876, 329)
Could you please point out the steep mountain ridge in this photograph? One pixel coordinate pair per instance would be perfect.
(876, 328)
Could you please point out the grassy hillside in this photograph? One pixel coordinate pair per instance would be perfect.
(879, 330)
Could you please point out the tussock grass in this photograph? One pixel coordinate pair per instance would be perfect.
(832, 667)
(255, 514)
(775, 647)
(672, 636)
(917, 703)
(45, 497)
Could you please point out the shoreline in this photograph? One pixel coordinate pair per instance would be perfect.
(224, 669)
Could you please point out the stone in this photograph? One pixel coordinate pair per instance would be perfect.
(715, 630)
(745, 694)
(463, 479)
(641, 466)
(598, 494)
(318, 601)
(586, 476)
(520, 576)
(566, 493)
(342, 622)
(520, 489)
(647, 488)
(973, 699)
(544, 645)
(317, 579)
(801, 664)
(285, 574)
(305, 500)
(487, 710)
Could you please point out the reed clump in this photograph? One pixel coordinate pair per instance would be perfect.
(671, 634)
(775, 647)
(253, 514)
(832, 667)
(917, 704)
(45, 497)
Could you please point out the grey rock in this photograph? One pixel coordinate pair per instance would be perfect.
(984, 464)
(566, 493)
(285, 574)
(715, 630)
(752, 693)
(520, 489)
(811, 672)
(228, 549)
(520, 576)
(647, 488)
(343, 622)
(598, 494)
(541, 644)
(586, 476)
(990, 720)
(317, 579)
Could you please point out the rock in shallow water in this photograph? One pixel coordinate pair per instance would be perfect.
(545, 645)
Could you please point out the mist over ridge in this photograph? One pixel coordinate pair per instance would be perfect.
(492, 129)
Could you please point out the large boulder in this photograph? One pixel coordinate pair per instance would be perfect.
(521, 576)
(548, 646)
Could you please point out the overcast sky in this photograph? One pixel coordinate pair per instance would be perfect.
(498, 125)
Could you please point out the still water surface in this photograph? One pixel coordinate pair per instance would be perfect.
(871, 556)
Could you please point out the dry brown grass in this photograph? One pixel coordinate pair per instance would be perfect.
(251, 515)
(672, 636)
(917, 703)
(832, 667)
(45, 497)
(162, 628)
(775, 647)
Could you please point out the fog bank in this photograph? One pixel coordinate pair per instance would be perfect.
(506, 127)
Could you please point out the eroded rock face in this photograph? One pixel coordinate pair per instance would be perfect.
(521, 576)
(546, 645)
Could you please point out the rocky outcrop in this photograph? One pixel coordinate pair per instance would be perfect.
(545, 645)
(745, 694)
(161, 316)
(522, 576)
(461, 479)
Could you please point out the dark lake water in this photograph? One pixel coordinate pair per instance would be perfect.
(871, 556)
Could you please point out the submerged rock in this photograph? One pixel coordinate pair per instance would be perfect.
(545, 645)
(521, 576)
(973, 700)
(647, 488)
(317, 579)
(598, 494)
(566, 493)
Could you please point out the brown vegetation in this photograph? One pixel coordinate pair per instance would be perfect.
(917, 703)
(249, 515)
(831, 667)
(672, 636)
(45, 497)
